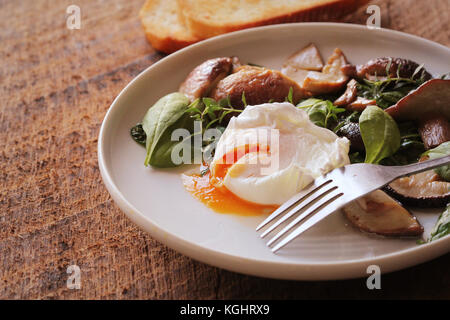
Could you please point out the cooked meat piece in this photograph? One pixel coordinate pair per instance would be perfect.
(377, 68)
(205, 76)
(260, 85)
(380, 214)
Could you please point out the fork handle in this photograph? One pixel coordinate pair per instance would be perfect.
(411, 169)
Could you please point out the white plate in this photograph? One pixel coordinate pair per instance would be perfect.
(157, 201)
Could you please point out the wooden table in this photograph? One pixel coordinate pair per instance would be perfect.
(56, 85)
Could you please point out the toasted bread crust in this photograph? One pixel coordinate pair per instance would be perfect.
(167, 44)
(324, 12)
(161, 38)
(190, 28)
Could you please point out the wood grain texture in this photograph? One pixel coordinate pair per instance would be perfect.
(56, 85)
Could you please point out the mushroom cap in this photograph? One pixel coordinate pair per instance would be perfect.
(431, 98)
(397, 66)
(259, 85)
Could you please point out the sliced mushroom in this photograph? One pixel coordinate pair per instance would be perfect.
(434, 130)
(353, 134)
(360, 104)
(259, 85)
(331, 79)
(307, 58)
(204, 77)
(350, 99)
(424, 190)
(376, 69)
(429, 106)
(380, 214)
(298, 75)
(349, 95)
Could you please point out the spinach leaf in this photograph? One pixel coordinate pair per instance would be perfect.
(162, 155)
(389, 91)
(380, 134)
(411, 146)
(138, 134)
(439, 152)
(322, 113)
(164, 113)
(442, 227)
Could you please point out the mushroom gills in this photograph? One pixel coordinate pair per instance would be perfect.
(428, 105)
(378, 213)
(424, 190)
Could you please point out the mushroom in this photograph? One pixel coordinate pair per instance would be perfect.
(360, 104)
(350, 94)
(376, 69)
(424, 190)
(331, 79)
(301, 62)
(380, 214)
(203, 78)
(352, 132)
(328, 79)
(350, 100)
(307, 58)
(429, 106)
(259, 85)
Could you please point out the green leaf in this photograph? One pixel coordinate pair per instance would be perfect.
(138, 134)
(163, 114)
(439, 152)
(308, 103)
(320, 112)
(162, 155)
(380, 134)
(442, 227)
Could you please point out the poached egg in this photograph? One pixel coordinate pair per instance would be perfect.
(266, 155)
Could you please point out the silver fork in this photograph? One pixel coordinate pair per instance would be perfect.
(331, 192)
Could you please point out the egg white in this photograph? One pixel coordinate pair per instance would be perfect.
(303, 153)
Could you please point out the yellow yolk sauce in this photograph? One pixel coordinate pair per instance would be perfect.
(211, 192)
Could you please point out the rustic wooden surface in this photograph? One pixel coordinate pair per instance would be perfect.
(56, 85)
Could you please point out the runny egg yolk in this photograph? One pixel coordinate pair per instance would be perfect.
(211, 192)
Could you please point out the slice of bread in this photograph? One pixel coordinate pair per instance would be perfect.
(207, 18)
(164, 27)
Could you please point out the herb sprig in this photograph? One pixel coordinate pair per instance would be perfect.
(322, 113)
(390, 90)
(211, 112)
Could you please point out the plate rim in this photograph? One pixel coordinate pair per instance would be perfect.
(303, 271)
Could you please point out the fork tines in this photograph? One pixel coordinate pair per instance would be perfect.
(316, 198)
